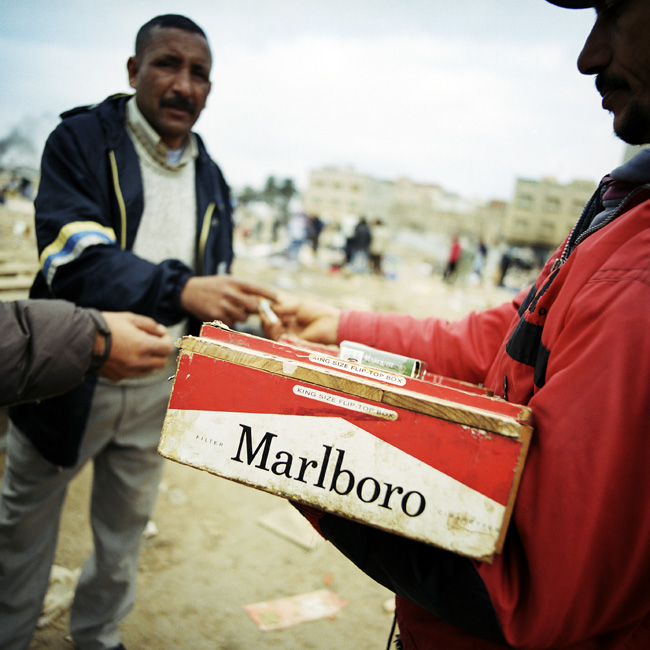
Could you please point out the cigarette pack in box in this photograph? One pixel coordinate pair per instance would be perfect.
(421, 458)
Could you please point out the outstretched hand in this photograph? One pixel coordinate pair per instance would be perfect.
(310, 320)
(222, 297)
(139, 345)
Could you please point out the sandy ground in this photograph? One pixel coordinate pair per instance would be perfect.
(209, 556)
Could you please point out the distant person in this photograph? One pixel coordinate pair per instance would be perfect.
(480, 259)
(574, 347)
(360, 245)
(315, 227)
(378, 246)
(297, 233)
(131, 215)
(504, 265)
(48, 346)
(25, 188)
(453, 258)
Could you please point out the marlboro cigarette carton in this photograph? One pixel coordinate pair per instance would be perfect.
(423, 458)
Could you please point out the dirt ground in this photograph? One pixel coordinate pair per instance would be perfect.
(209, 555)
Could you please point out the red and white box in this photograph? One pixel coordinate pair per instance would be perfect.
(431, 459)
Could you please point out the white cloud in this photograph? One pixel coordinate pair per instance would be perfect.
(423, 107)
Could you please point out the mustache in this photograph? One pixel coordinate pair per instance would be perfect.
(179, 103)
(606, 81)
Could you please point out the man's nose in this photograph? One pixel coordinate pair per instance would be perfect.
(182, 82)
(596, 53)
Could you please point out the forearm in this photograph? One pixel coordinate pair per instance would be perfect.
(46, 348)
(110, 279)
(462, 349)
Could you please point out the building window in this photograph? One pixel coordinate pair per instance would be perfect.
(552, 204)
(525, 201)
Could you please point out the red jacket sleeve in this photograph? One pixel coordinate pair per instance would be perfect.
(463, 349)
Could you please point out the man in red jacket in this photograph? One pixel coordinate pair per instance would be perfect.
(575, 348)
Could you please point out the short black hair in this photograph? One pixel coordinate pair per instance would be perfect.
(167, 20)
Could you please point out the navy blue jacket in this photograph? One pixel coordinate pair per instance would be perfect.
(88, 209)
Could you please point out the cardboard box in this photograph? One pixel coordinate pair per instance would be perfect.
(423, 458)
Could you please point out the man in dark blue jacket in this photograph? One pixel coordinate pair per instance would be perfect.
(131, 215)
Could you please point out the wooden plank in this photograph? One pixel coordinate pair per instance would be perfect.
(13, 254)
(19, 267)
(16, 282)
(17, 294)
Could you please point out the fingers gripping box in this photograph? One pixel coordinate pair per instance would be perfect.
(423, 458)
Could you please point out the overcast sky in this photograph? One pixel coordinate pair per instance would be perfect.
(468, 94)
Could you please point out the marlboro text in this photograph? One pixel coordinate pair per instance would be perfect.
(342, 481)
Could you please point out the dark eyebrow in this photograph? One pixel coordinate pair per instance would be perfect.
(165, 57)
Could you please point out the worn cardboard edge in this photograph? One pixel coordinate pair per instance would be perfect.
(359, 387)
(524, 439)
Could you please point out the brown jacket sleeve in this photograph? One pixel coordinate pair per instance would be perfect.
(45, 348)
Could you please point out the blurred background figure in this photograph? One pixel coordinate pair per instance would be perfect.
(378, 246)
(297, 233)
(314, 229)
(452, 261)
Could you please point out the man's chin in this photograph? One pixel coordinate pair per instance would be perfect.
(174, 137)
(633, 126)
(177, 127)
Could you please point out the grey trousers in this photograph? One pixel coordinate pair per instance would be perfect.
(121, 440)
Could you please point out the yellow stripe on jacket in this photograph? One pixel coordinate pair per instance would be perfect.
(73, 239)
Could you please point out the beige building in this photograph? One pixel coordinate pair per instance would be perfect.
(543, 212)
(487, 221)
(335, 193)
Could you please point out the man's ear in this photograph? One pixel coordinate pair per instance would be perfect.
(133, 67)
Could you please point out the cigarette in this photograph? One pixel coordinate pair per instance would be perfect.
(264, 307)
